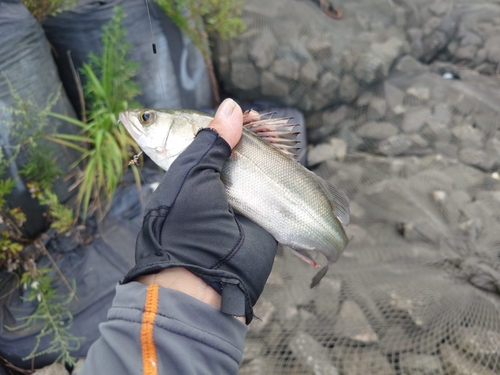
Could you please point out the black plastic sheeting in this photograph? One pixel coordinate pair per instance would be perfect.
(26, 62)
(95, 269)
(174, 77)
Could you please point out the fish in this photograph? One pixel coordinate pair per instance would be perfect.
(263, 181)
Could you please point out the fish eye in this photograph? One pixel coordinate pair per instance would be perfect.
(147, 117)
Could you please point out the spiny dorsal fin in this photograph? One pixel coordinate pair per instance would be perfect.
(276, 131)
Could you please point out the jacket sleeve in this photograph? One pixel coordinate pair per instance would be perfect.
(153, 330)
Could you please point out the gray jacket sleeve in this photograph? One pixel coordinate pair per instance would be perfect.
(156, 329)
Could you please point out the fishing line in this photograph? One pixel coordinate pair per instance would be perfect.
(153, 44)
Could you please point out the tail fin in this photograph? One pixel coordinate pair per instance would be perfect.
(317, 278)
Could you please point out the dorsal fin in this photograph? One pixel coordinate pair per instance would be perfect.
(338, 200)
(276, 131)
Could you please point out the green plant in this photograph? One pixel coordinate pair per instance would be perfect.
(108, 90)
(198, 18)
(53, 314)
(60, 216)
(43, 8)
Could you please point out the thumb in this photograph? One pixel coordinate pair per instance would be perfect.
(228, 122)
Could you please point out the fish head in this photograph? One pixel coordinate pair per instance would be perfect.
(161, 134)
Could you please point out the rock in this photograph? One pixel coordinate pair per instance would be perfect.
(393, 97)
(446, 149)
(54, 369)
(395, 145)
(320, 153)
(476, 158)
(376, 109)
(480, 58)
(469, 136)
(356, 234)
(258, 366)
(351, 323)
(264, 312)
(327, 297)
(415, 118)
(309, 72)
(244, 76)
(264, 48)
(377, 130)
(492, 47)
(482, 344)
(311, 354)
(253, 349)
(286, 68)
(466, 53)
(347, 61)
(442, 114)
(459, 363)
(348, 89)
(325, 91)
(272, 86)
(414, 364)
(363, 361)
(408, 64)
(421, 93)
(432, 44)
(471, 39)
(395, 339)
(369, 68)
(322, 49)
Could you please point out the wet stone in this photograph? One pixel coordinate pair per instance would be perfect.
(377, 130)
(351, 323)
(414, 364)
(311, 354)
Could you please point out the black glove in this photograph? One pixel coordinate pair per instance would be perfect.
(189, 223)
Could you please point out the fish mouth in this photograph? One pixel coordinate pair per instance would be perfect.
(129, 125)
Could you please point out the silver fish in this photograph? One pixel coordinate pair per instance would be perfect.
(263, 181)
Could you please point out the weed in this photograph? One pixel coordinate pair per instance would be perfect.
(40, 9)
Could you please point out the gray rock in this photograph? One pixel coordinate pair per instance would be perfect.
(356, 234)
(258, 366)
(408, 64)
(347, 61)
(309, 72)
(272, 86)
(439, 8)
(264, 48)
(253, 349)
(326, 90)
(481, 56)
(376, 109)
(327, 297)
(415, 118)
(471, 38)
(369, 68)
(351, 323)
(286, 67)
(377, 130)
(415, 364)
(476, 158)
(54, 369)
(321, 49)
(446, 149)
(419, 93)
(395, 340)
(432, 44)
(363, 361)
(431, 24)
(264, 310)
(492, 47)
(394, 97)
(311, 354)
(244, 76)
(335, 117)
(327, 151)
(468, 136)
(395, 145)
(442, 113)
(459, 363)
(348, 89)
(466, 53)
(483, 344)
(487, 122)
(447, 26)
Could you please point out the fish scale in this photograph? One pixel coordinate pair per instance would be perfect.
(268, 186)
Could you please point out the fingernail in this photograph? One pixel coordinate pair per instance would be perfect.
(226, 109)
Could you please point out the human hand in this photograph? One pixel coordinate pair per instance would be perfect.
(189, 223)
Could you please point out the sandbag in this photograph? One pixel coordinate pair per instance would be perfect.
(26, 62)
(174, 77)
